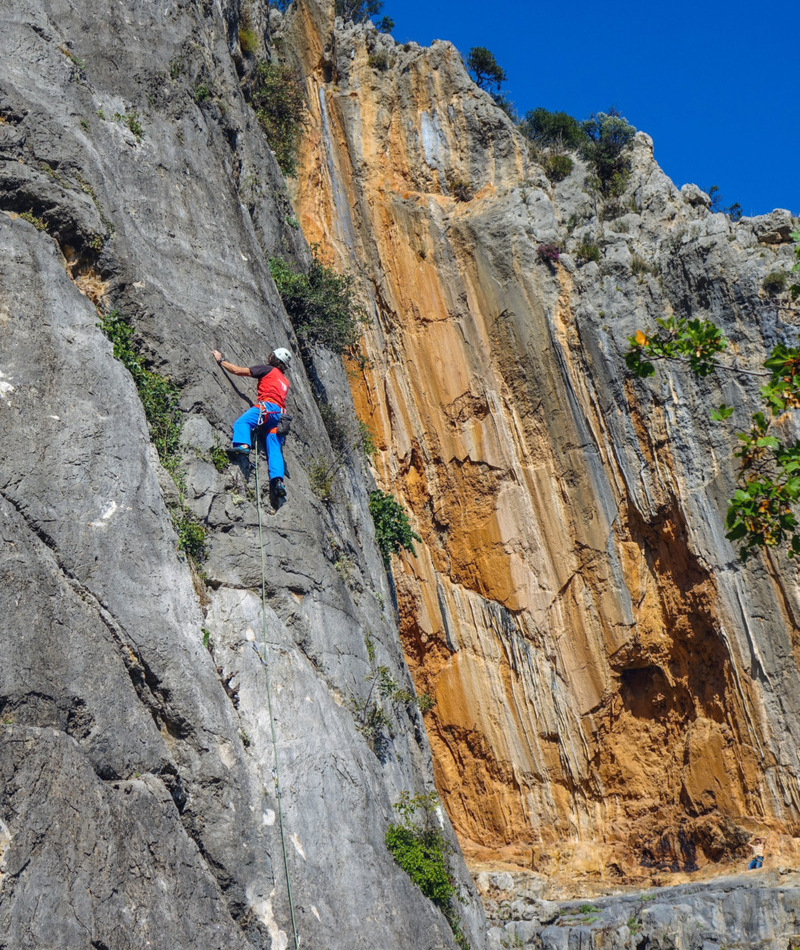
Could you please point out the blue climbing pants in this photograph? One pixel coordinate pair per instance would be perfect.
(243, 433)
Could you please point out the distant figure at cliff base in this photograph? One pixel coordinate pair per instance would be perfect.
(757, 845)
(269, 410)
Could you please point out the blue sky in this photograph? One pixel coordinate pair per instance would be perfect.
(715, 84)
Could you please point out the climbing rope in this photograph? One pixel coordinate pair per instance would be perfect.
(265, 664)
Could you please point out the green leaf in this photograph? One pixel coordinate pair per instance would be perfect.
(724, 412)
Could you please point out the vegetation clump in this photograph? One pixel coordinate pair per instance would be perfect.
(552, 129)
(557, 166)
(131, 119)
(321, 304)
(421, 850)
(248, 38)
(775, 282)
(605, 149)
(459, 187)
(639, 266)
(548, 253)
(158, 394)
(733, 211)
(761, 513)
(39, 223)
(159, 398)
(280, 108)
(358, 10)
(374, 712)
(392, 529)
(379, 60)
(588, 252)
(485, 69)
(191, 534)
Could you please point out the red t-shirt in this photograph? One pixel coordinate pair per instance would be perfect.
(272, 384)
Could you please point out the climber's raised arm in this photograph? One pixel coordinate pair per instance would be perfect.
(230, 367)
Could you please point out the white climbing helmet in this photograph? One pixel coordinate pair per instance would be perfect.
(283, 355)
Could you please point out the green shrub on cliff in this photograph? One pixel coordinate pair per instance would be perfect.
(485, 69)
(159, 398)
(421, 850)
(608, 135)
(556, 166)
(280, 108)
(552, 129)
(158, 394)
(321, 304)
(392, 529)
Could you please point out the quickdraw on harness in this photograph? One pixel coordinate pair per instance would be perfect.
(266, 416)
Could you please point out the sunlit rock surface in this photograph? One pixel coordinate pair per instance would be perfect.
(615, 691)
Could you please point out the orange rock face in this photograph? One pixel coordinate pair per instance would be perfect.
(614, 692)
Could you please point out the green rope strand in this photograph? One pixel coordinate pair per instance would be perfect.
(265, 663)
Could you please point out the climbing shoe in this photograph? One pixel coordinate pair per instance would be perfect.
(239, 449)
(277, 487)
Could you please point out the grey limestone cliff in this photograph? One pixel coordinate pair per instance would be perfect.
(138, 798)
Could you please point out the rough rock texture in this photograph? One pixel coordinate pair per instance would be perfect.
(615, 690)
(757, 910)
(138, 796)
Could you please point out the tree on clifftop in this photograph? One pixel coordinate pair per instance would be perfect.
(484, 68)
(358, 10)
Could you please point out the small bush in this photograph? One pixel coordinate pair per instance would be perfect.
(191, 534)
(131, 119)
(379, 60)
(606, 149)
(554, 129)
(588, 252)
(392, 529)
(368, 446)
(248, 40)
(374, 713)
(459, 187)
(548, 253)
(386, 24)
(421, 855)
(201, 94)
(557, 167)
(504, 102)
(320, 479)
(219, 457)
(159, 396)
(775, 282)
(420, 848)
(734, 211)
(321, 304)
(39, 223)
(640, 266)
(336, 427)
(280, 109)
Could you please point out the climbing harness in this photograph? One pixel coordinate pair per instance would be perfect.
(265, 664)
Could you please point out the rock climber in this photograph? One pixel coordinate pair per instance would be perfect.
(271, 406)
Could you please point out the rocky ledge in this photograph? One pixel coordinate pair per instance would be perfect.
(760, 909)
